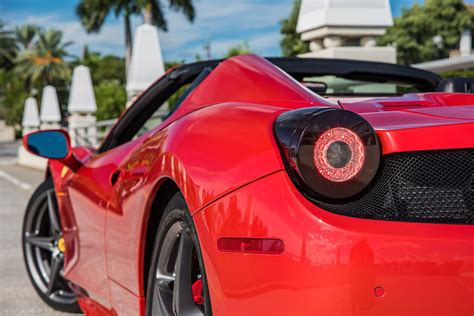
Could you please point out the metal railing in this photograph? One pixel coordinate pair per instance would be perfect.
(93, 134)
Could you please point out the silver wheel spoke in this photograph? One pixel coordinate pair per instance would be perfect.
(56, 264)
(53, 218)
(172, 291)
(46, 243)
(162, 299)
(164, 278)
(183, 302)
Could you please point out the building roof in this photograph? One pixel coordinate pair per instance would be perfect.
(447, 64)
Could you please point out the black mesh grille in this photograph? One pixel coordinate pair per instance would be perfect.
(432, 186)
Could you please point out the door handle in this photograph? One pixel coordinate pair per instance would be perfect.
(114, 177)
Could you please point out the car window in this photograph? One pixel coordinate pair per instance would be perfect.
(172, 104)
(333, 85)
(157, 103)
(163, 111)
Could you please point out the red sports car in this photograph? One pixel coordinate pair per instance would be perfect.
(270, 186)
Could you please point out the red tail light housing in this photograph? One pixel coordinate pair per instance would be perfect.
(329, 153)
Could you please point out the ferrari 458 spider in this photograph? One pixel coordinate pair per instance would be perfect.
(257, 186)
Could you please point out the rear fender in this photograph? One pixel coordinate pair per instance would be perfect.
(206, 158)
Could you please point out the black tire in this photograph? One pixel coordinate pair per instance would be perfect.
(40, 235)
(176, 215)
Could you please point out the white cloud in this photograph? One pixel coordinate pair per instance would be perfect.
(224, 23)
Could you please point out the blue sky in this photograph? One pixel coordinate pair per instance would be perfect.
(223, 22)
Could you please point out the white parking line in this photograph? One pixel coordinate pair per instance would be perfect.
(15, 181)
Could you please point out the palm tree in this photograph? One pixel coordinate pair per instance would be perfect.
(25, 35)
(92, 14)
(45, 60)
(8, 47)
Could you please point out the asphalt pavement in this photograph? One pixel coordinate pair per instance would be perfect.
(17, 296)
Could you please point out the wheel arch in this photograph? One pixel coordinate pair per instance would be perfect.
(164, 191)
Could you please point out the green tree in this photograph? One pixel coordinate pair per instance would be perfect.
(8, 47)
(44, 63)
(110, 68)
(466, 73)
(25, 35)
(428, 31)
(12, 97)
(291, 43)
(239, 49)
(111, 99)
(102, 68)
(93, 13)
(173, 63)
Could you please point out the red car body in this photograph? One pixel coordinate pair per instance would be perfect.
(220, 149)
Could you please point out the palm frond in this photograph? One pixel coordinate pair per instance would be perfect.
(185, 6)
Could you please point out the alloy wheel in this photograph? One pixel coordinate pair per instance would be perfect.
(178, 288)
(43, 247)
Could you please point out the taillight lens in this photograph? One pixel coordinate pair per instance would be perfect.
(338, 154)
(330, 153)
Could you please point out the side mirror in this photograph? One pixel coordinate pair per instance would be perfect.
(52, 144)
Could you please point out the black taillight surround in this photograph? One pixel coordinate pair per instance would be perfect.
(297, 131)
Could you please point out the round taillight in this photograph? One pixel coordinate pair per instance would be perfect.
(338, 154)
(331, 153)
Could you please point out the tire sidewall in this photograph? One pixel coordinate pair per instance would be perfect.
(176, 210)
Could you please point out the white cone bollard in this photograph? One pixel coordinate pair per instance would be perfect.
(30, 123)
(82, 107)
(50, 114)
(146, 64)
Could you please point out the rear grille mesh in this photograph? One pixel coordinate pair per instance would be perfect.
(431, 186)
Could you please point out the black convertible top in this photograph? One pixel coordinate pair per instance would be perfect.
(298, 68)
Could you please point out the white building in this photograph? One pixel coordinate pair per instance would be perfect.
(458, 59)
(346, 29)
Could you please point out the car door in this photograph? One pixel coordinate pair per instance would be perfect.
(89, 191)
(93, 193)
(124, 229)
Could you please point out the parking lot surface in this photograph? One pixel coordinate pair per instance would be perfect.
(17, 296)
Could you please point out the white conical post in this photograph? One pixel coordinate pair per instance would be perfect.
(82, 106)
(30, 123)
(146, 64)
(81, 96)
(465, 43)
(50, 114)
